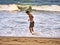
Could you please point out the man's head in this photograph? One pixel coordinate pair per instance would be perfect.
(27, 12)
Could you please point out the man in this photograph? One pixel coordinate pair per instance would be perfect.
(31, 22)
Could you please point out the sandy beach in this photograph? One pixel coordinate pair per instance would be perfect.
(28, 41)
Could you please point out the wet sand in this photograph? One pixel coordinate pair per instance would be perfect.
(28, 41)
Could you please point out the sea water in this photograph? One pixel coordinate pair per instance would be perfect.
(47, 24)
(35, 2)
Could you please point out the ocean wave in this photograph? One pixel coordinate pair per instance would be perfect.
(47, 7)
(10, 7)
(14, 7)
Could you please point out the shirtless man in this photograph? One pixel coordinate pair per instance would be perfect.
(31, 21)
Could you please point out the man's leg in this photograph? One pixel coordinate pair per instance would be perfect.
(30, 30)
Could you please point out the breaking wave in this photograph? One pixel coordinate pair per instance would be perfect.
(47, 7)
(10, 7)
(14, 7)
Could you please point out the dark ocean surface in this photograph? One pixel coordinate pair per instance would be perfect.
(38, 2)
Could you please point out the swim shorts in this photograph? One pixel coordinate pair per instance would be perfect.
(32, 24)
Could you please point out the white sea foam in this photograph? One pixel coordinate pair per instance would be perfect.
(13, 7)
(17, 24)
(47, 7)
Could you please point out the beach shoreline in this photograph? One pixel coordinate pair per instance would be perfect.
(28, 41)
